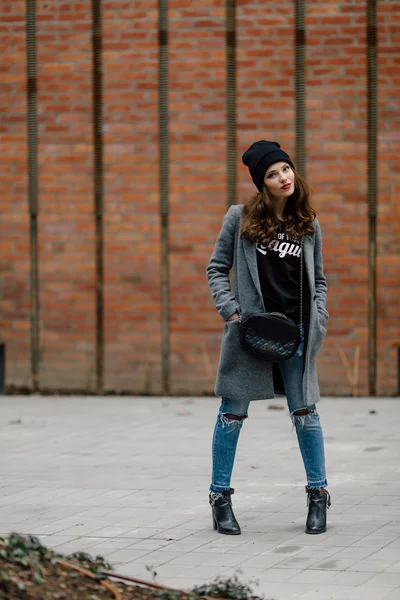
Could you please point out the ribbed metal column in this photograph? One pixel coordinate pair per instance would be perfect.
(372, 126)
(97, 99)
(230, 37)
(164, 190)
(300, 88)
(33, 188)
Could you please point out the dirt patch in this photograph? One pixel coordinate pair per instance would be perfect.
(29, 571)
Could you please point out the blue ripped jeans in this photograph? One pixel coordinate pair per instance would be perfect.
(308, 429)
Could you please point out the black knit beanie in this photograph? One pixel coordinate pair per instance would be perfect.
(262, 155)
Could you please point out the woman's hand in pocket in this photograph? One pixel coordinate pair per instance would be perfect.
(234, 317)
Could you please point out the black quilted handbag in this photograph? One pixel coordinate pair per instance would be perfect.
(270, 336)
(273, 336)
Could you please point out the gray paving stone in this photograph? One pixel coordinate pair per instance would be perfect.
(185, 545)
(140, 571)
(358, 553)
(110, 531)
(105, 550)
(127, 554)
(391, 555)
(315, 576)
(249, 574)
(342, 540)
(153, 510)
(390, 530)
(71, 547)
(355, 578)
(395, 568)
(370, 565)
(181, 583)
(276, 575)
(335, 592)
(320, 552)
(374, 541)
(266, 561)
(199, 558)
(179, 534)
(52, 541)
(335, 563)
(147, 532)
(385, 579)
(210, 548)
(151, 544)
(167, 571)
(395, 544)
(393, 594)
(255, 548)
(364, 529)
(156, 557)
(204, 572)
(287, 590)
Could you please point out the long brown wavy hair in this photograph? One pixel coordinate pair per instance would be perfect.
(259, 221)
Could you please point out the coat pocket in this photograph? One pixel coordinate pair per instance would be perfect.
(230, 346)
(322, 319)
(240, 375)
(320, 335)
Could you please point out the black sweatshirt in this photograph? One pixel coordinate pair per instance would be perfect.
(279, 273)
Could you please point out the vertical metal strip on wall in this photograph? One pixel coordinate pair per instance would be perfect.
(300, 88)
(97, 99)
(372, 125)
(164, 189)
(33, 188)
(230, 9)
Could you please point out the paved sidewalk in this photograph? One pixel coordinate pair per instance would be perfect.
(127, 478)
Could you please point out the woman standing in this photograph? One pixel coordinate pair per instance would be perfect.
(264, 242)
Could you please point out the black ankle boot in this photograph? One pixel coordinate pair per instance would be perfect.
(224, 520)
(318, 500)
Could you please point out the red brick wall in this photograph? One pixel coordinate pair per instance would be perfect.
(14, 223)
(337, 154)
(389, 188)
(336, 148)
(132, 252)
(337, 170)
(198, 184)
(66, 232)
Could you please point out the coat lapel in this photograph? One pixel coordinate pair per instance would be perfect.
(308, 249)
(251, 258)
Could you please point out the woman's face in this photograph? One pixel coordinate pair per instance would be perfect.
(279, 180)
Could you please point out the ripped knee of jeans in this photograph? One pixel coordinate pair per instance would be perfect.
(232, 420)
(299, 416)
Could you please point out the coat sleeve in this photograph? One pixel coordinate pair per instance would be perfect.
(220, 264)
(320, 280)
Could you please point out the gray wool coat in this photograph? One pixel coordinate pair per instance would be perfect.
(240, 375)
